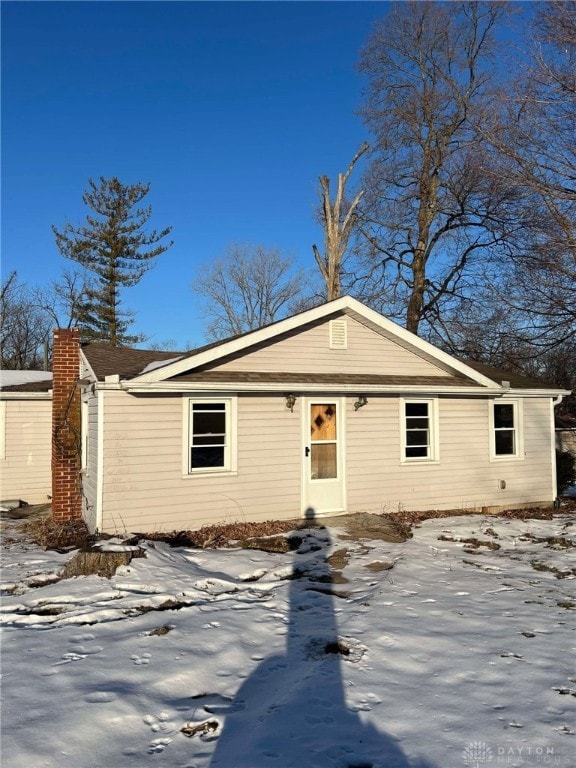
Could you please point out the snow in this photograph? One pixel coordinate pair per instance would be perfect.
(13, 378)
(159, 364)
(458, 655)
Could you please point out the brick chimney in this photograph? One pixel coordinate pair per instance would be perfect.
(66, 429)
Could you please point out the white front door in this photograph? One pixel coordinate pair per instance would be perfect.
(323, 453)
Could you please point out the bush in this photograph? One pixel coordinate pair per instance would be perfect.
(565, 469)
(60, 536)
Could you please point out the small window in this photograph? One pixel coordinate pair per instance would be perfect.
(419, 430)
(505, 429)
(209, 447)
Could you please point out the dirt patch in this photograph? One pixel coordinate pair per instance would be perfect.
(472, 543)
(339, 559)
(377, 566)
(366, 526)
(163, 630)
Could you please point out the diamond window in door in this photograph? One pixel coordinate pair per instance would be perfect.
(323, 441)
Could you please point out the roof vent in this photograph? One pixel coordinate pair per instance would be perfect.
(338, 334)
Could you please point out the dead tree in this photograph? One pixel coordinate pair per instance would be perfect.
(338, 219)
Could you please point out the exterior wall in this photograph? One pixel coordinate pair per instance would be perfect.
(464, 477)
(25, 464)
(310, 351)
(144, 489)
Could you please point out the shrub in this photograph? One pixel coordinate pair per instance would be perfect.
(61, 536)
(565, 469)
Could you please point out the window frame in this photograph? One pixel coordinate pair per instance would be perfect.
(518, 431)
(230, 407)
(433, 445)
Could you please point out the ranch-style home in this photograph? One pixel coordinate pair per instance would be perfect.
(25, 427)
(336, 409)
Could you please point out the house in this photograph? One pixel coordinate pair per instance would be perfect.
(566, 433)
(336, 409)
(25, 429)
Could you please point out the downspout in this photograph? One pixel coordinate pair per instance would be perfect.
(100, 461)
(554, 401)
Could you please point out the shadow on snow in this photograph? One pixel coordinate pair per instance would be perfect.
(292, 712)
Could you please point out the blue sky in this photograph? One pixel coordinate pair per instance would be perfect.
(230, 110)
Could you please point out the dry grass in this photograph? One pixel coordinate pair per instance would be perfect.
(214, 536)
(74, 535)
(60, 536)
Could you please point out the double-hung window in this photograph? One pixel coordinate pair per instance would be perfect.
(210, 435)
(505, 429)
(419, 430)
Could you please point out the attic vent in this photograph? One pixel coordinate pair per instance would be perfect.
(338, 334)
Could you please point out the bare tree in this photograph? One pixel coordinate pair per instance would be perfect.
(24, 327)
(535, 135)
(432, 209)
(63, 300)
(250, 286)
(338, 219)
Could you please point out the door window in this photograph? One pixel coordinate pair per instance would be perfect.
(323, 441)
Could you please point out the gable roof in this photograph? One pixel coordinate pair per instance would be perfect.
(344, 305)
(147, 368)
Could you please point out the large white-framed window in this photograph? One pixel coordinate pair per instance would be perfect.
(506, 434)
(419, 429)
(210, 446)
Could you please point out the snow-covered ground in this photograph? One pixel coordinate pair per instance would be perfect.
(459, 655)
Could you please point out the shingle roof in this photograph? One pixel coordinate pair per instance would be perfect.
(25, 381)
(30, 386)
(124, 361)
(321, 378)
(517, 380)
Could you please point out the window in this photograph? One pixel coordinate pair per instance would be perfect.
(209, 446)
(505, 429)
(419, 430)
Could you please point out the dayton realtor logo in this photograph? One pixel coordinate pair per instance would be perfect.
(477, 754)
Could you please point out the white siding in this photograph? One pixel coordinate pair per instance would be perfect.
(145, 490)
(25, 469)
(309, 352)
(144, 487)
(463, 478)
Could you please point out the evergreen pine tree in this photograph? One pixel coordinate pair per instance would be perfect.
(116, 250)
